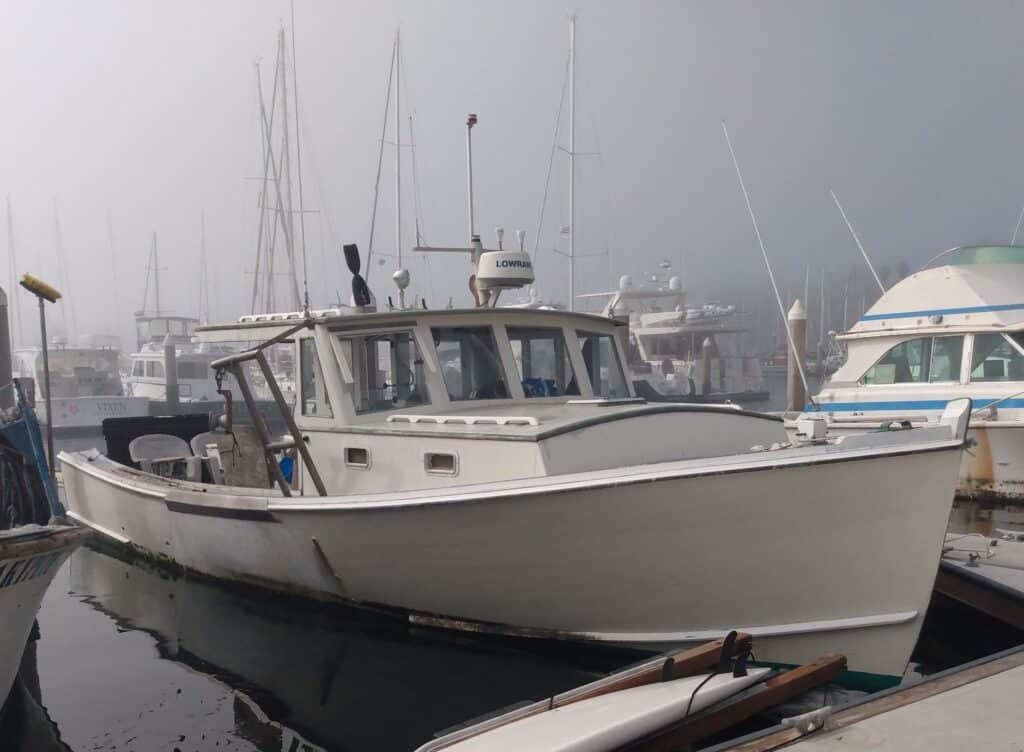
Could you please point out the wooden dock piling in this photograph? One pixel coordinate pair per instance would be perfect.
(796, 395)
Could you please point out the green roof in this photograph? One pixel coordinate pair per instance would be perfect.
(970, 255)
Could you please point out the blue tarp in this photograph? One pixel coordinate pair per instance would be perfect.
(25, 435)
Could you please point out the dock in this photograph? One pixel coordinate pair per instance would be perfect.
(974, 706)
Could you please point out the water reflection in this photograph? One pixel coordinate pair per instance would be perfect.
(299, 676)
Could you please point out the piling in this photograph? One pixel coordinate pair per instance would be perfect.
(171, 375)
(796, 395)
(6, 386)
(705, 366)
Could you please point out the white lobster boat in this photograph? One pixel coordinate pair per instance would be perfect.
(490, 469)
(953, 330)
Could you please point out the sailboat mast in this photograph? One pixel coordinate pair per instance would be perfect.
(286, 168)
(298, 169)
(12, 275)
(572, 163)
(156, 275)
(398, 148)
(204, 273)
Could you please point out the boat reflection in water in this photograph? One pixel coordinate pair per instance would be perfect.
(306, 676)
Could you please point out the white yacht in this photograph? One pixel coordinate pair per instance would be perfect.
(147, 374)
(491, 469)
(954, 329)
(85, 385)
(684, 353)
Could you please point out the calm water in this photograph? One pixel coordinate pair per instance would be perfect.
(131, 658)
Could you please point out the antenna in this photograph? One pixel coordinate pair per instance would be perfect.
(470, 122)
(1016, 229)
(398, 147)
(857, 241)
(380, 158)
(572, 163)
(768, 266)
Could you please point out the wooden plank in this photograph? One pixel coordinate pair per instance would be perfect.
(672, 665)
(776, 690)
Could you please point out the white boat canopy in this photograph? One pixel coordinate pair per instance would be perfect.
(976, 288)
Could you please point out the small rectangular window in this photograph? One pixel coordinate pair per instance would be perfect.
(470, 364)
(440, 463)
(357, 457)
(603, 367)
(314, 398)
(155, 369)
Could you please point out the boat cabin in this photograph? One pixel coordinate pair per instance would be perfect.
(954, 329)
(418, 398)
(74, 371)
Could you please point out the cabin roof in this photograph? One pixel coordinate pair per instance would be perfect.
(523, 420)
(253, 328)
(968, 295)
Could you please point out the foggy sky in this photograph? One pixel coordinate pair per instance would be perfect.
(148, 111)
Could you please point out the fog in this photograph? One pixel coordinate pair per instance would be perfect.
(147, 113)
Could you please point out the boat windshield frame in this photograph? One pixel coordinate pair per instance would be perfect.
(341, 376)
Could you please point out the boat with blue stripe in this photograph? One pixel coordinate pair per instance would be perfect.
(954, 329)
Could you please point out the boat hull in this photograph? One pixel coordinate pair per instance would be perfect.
(655, 556)
(79, 413)
(28, 563)
(992, 467)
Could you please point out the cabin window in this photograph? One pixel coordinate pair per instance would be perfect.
(603, 367)
(919, 361)
(388, 369)
(155, 369)
(543, 362)
(996, 358)
(470, 364)
(139, 368)
(315, 401)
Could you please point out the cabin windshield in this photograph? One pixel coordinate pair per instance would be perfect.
(82, 373)
(918, 361)
(543, 361)
(603, 367)
(470, 364)
(997, 358)
(388, 371)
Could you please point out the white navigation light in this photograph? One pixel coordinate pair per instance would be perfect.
(498, 270)
(521, 237)
(401, 278)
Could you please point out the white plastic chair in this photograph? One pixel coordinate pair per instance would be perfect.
(159, 453)
(207, 449)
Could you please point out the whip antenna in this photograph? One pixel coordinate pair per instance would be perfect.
(857, 241)
(768, 266)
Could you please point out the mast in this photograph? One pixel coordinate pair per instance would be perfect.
(298, 169)
(398, 148)
(70, 327)
(572, 163)
(204, 273)
(12, 275)
(156, 275)
(286, 167)
(116, 308)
